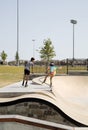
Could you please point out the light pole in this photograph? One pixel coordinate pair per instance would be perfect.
(73, 22)
(17, 32)
(33, 47)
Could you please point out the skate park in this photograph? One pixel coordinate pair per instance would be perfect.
(46, 31)
(69, 94)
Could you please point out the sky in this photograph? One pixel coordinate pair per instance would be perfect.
(40, 20)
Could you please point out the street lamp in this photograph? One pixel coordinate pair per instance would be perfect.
(33, 47)
(17, 32)
(73, 22)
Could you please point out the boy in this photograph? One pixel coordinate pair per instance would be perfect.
(27, 66)
(51, 73)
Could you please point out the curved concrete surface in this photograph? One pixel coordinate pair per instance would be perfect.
(69, 94)
(73, 92)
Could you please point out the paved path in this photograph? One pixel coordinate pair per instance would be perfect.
(17, 87)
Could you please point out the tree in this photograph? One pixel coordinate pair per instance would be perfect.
(17, 58)
(3, 56)
(47, 51)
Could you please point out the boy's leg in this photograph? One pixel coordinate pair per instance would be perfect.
(23, 80)
(24, 77)
(26, 84)
(23, 83)
(27, 77)
(45, 79)
(51, 81)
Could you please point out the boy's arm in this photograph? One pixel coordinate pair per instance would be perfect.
(32, 66)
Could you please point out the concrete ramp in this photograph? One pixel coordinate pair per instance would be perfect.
(69, 94)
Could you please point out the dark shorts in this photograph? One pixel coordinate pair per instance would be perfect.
(26, 72)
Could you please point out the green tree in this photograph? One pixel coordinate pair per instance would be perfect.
(17, 58)
(47, 51)
(3, 56)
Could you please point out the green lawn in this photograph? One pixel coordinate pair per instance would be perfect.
(10, 74)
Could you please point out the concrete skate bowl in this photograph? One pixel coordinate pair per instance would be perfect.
(43, 107)
(72, 96)
(20, 105)
(69, 96)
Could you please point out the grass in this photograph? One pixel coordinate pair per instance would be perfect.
(12, 74)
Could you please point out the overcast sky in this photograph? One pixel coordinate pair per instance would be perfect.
(43, 19)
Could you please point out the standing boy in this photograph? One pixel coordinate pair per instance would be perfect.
(27, 66)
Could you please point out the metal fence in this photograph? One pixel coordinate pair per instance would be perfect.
(77, 66)
(68, 66)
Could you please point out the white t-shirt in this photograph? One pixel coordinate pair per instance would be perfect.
(27, 65)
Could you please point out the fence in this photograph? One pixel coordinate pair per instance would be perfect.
(77, 66)
(67, 66)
